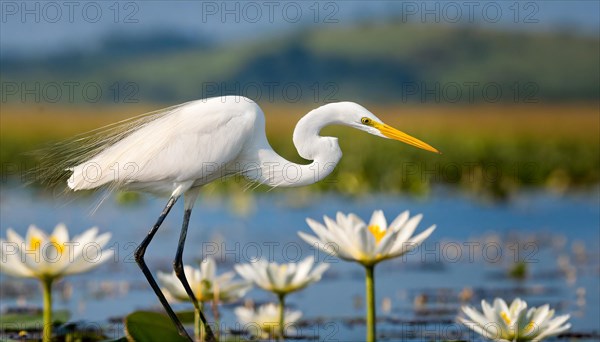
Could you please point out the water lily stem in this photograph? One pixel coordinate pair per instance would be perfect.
(281, 326)
(217, 317)
(370, 294)
(47, 329)
(199, 329)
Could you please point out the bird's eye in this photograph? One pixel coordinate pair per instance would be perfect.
(366, 121)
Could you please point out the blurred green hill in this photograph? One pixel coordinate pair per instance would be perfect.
(388, 62)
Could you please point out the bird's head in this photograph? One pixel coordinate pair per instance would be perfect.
(368, 122)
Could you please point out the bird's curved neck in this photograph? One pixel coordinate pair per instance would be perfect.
(324, 152)
(309, 143)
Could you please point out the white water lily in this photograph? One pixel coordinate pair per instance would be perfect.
(282, 278)
(265, 322)
(515, 322)
(205, 284)
(49, 258)
(350, 238)
(54, 256)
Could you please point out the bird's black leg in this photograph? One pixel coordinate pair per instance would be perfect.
(139, 259)
(178, 268)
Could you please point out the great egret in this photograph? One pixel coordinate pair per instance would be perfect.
(176, 150)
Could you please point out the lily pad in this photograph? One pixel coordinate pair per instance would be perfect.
(186, 317)
(30, 321)
(150, 326)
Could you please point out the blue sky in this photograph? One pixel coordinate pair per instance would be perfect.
(34, 27)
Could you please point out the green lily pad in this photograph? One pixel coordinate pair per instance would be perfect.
(147, 326)
(186, 317)
(31, 321)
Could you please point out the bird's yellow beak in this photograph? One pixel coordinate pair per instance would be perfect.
(395, 134)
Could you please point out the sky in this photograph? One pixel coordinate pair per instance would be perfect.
(49, 27)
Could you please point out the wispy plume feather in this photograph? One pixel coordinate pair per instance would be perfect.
(56, 160)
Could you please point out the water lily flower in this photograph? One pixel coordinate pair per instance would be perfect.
(282, 279)
(350, 238)
(42, 256)
(49, 258)
(515, 322)
(207, 286)
(266, 320)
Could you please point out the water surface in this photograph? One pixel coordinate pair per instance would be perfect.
(468, 256)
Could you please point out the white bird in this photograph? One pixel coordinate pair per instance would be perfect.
(176, 150)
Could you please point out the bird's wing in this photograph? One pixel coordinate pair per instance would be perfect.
(187, 143)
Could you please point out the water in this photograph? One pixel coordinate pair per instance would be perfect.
(473, 247)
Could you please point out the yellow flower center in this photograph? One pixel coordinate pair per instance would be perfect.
(505, 318)
(377, 232)
(204, 290)
(529, 326)
(270, 327)
(199, 294)
(60, 247)
(35, 243)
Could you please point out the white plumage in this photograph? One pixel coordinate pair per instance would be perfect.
(182, 144)
(195, 143)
